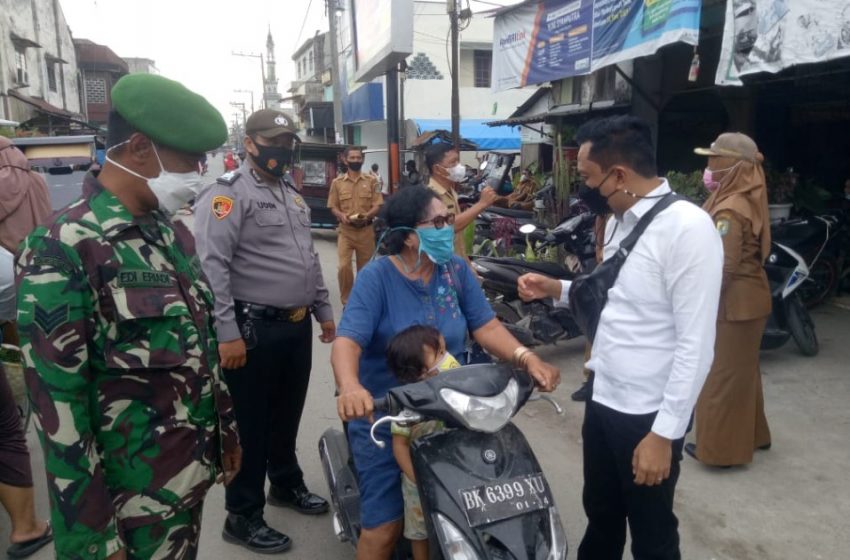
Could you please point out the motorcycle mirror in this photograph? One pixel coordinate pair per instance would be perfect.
(527, 229)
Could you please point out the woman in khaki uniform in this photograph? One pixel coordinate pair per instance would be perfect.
(730, 420)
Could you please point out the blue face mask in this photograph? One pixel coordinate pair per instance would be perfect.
(438, 244)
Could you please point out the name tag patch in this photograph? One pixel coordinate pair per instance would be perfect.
(144, 279)
(263, 205)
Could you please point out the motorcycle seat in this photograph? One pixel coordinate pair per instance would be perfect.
(512, 213)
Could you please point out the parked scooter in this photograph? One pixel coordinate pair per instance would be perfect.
(787, 272)
(822, 241)
(483, 493)
(538, 322)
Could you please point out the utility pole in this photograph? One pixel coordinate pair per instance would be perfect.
(392, 128)
(454, 16)
(241, 106)
(262, 70)
(333, 8)
(247, 91)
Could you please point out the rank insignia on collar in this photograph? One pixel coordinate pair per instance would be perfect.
(221, 206)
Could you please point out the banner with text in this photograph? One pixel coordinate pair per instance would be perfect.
(555, 39)
(771, 35)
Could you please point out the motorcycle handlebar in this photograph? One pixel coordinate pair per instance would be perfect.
(380, 405)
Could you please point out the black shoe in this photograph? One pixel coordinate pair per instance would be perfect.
(691, 449)
(582, 393)
(299, 498)
(764, 447)
(253, 533)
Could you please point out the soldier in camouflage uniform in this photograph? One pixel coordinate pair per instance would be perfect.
(117, 334)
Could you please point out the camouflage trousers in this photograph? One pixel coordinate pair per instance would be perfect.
(174, 538)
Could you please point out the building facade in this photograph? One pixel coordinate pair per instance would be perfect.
(100, 69)
(311, 93)
(39, 79)
(141, 65)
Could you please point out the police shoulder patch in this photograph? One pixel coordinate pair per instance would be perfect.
(228, 178)
(222, 206)
(723, 225)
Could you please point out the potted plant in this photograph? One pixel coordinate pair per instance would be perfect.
(780, 192)
(689, 185)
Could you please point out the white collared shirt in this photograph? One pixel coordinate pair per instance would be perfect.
(655, 339)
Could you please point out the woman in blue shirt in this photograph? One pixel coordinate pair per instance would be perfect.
(420, 282)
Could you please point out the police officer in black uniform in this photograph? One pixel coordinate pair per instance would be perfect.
(253, 237)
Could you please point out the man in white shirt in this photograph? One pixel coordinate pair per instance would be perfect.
(653, 348)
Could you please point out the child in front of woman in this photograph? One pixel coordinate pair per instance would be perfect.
(413, 355)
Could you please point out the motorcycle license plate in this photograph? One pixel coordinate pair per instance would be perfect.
(504, 499)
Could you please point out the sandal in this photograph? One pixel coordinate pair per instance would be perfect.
(28, 548)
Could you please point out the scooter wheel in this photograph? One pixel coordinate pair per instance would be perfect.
(821, 283)
(802, 327)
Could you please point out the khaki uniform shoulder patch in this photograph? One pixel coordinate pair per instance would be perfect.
(723, 225)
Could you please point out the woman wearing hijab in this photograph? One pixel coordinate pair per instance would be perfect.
(24, 199)
(24, 204)
(730, 420)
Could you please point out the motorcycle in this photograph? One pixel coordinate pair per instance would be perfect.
(822, 241)
(483, 492)
(787, 272)
(538, 322)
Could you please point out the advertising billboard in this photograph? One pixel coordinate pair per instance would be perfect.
(554, 39)
(771, 35)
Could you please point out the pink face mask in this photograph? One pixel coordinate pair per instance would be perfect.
(708, 177)
(708, 180)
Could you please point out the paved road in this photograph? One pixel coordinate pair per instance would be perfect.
(793, 502)
(64, 189)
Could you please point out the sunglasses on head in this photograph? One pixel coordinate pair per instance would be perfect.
(439, 221)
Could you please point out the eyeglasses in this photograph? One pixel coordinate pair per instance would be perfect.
(439, 221)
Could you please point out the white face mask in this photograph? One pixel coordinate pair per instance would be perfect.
(172, 190)
(456, 173)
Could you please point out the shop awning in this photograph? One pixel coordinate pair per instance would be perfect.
(475, 130)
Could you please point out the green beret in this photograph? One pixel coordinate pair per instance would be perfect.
(169, 113)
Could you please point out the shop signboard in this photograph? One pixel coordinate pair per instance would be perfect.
(771, 35)
(383, 35)
(548, 40)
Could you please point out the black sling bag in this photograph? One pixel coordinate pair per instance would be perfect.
(589, 292)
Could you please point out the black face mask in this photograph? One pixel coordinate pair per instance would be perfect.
(595, 200)
(355, 166)
(272, 159)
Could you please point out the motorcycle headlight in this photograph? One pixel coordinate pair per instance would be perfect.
(559, 538)
(456, 545)
(483, 414)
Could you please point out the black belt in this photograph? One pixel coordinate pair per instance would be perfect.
(269, 313)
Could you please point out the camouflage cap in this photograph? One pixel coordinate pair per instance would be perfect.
(169, 113)
(731, 144)
(269, 123)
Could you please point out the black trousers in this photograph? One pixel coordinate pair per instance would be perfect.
(268, 398)
(611, 497)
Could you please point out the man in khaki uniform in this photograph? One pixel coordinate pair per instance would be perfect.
(355, 201)
(446, 172)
